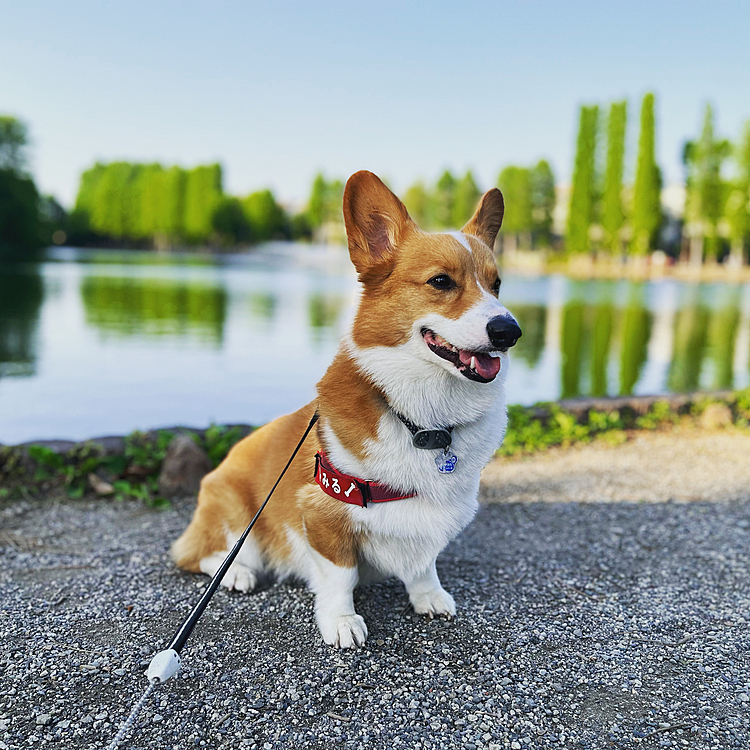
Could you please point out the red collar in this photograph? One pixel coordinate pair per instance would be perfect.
(350, 489)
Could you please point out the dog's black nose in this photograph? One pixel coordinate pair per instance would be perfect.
(503, 331)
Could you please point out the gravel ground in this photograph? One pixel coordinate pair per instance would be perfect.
(581, 624)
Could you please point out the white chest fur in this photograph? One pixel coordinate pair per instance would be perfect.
(403, 537)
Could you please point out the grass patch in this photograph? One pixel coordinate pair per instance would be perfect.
(536, 428)
(129, 474)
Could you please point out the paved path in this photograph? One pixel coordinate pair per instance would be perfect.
(581, 624)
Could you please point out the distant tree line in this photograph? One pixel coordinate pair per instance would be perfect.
(153, 205)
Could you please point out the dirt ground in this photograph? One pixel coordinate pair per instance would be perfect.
(682, 465)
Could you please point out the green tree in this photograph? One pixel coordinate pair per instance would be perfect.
(21, 227)
(230, 222)
(324, 204)
(417, 200)
(738, 202)
(170, 194)
(466, 198)
(647, 215)
(14, 139)
(266, 218)
(19, 216)
(583, 191)
(443, 201)
(202, 194)
(543, 201)
(613, 216)
(316, 205)
(705, 190)
(515, 184)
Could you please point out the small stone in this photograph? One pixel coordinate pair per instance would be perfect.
(43, 719)
(157, 718)
(744, 697)
(515, 745)
(184, 466)
(715, 416)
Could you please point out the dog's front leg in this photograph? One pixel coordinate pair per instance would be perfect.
(333, 587)
(427, 596)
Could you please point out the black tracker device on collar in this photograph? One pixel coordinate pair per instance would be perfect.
(439, 439)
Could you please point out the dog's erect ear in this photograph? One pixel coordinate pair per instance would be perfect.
(488, 218)
(376, 222)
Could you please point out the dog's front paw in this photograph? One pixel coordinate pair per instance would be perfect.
(344, 631)
(435, 602)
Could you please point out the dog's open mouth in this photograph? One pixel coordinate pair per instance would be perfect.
(479, 366)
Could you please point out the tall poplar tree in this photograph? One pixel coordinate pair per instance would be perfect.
(543, 199)
(515, 184)
(704, 206)
(583, 191)
(738, 202)
(647, 189)
(613, 216)
(443, 200)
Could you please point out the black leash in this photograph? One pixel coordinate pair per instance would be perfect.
(167, 662)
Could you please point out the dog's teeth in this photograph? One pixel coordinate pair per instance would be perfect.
(473, 364)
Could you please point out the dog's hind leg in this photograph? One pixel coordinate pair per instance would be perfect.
(243, 572)
(427, 595)
(218, 522)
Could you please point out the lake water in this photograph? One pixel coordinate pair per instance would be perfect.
(103, 342)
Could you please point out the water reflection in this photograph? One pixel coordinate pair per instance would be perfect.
(722, 334)
(690, 338)
(323, 313)
(636, 333)
(263, 306)
(134, 306)
(533, 322)
(21, 297)
(603, 317)
(232, 326)
(571, 345)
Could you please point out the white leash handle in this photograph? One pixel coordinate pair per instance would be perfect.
(164, 665)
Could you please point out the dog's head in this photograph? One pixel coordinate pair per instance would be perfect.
(433, 294)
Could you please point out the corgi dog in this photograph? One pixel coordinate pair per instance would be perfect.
(410, 411)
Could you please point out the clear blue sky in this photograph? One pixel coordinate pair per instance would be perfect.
(278, 90)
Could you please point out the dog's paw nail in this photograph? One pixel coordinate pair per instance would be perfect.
(346, 631)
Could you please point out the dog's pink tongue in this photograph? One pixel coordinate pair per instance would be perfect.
(488, 367)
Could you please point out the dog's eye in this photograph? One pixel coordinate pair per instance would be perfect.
(496, 286)
(443, 282)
